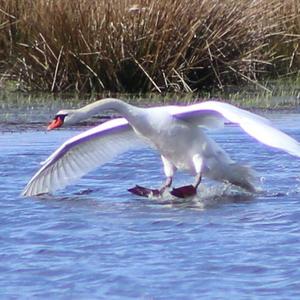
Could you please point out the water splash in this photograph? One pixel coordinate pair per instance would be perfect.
(207, 196)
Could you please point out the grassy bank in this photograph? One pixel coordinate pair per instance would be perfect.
(139, 46)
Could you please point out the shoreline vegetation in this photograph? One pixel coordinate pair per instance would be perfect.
(147, 46)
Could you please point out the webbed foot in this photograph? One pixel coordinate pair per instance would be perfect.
(144, 192)
(184, 191)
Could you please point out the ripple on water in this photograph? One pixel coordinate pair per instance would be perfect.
(95, 240)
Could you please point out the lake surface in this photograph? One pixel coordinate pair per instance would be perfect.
(94, 240)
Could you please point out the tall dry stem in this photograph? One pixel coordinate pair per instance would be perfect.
(147, 45)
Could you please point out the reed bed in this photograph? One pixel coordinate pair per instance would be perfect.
(139, 46)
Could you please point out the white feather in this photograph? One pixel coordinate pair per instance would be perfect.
(256, 126)
(80, 155)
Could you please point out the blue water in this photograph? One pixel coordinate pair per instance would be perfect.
(94, 240)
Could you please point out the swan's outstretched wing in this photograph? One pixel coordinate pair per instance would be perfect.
(81, 154)
(258, 127)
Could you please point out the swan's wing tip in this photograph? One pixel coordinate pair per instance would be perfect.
(27, 194)
(27, 191)
(32, 190)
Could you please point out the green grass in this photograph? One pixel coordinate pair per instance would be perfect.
(283, 94)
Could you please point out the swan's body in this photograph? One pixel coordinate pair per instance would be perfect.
(176, 132)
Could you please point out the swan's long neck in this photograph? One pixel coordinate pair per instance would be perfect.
(126, 110)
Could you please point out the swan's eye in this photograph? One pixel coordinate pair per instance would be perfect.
(61, 117)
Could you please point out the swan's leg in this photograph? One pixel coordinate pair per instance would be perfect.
(169, 170)
(198, 163)
(191, 190)
(166, 185)
(198, 179)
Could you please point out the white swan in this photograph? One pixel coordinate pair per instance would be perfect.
(176, 132)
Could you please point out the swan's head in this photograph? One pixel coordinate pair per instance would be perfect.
(64, 117)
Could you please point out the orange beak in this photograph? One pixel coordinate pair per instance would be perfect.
(57, 122)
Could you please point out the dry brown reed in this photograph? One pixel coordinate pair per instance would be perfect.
(146, 45)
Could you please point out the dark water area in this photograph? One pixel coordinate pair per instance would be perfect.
(94, 240)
